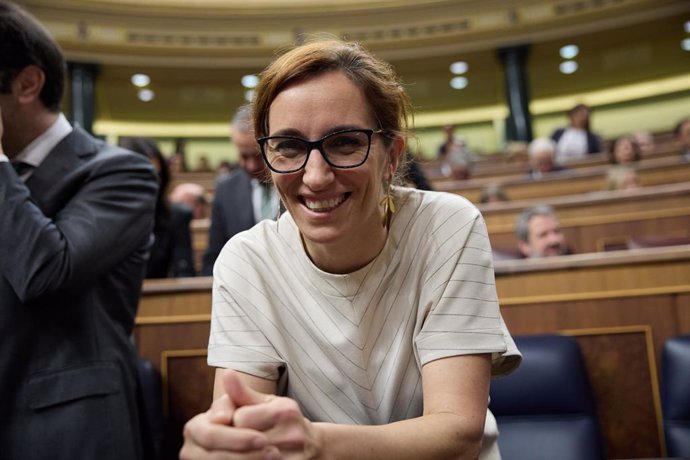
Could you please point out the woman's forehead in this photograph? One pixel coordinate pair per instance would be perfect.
(325, 100)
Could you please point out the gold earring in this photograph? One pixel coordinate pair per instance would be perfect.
(388, 206)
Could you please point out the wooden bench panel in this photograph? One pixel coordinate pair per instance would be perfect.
(573, 182)
(613, 303)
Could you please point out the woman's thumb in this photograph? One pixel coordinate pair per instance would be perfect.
(239, 393)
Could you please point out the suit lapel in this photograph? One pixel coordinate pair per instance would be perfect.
(66, 157)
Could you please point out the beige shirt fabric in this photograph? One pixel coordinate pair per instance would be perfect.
(350, 348)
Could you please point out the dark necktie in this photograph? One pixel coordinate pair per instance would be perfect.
(22, 168)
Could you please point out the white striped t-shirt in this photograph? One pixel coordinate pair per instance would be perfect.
(349, 348)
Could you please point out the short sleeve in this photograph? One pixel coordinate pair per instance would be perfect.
(463, 312)
(235, 341)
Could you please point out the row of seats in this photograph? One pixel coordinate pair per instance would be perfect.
(546, 408)
(675, 395)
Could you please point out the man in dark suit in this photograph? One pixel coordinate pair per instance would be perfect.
(242, 198)
(75, 230)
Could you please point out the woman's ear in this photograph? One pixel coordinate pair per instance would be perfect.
(396, 150)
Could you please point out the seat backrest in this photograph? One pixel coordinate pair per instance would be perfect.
(675, 395)
(655, 241)
(546, 409)
(151, 407)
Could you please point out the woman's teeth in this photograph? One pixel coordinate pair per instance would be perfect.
(324, 205)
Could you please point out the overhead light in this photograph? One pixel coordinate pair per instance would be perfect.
(146, 95)
(458, 82)
(686, 26)
(569, 51)
(568, 67)
(249, 95)
(250, 81)
(459, 67)
(685, 44)
(140, 80)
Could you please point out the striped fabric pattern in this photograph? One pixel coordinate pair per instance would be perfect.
(349, 348)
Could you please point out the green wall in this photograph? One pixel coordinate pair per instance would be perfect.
(655, 114)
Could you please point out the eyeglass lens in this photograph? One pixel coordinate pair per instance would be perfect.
(344, 149)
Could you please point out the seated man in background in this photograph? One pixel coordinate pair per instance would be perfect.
(542, 152)
(245, 196)
(539, 233)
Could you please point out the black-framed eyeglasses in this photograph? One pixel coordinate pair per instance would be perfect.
(344, 149)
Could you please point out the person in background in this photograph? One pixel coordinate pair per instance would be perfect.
(541, 158)
(191, 195)
(176, 163)
(224, 168)
(245, 196)
(624, 150)
(202, 164)
(517, 152)
(622, 177)
(682, 134)
(539, 233)
(576, 141)
(364, 324)
(415, 174)
(449, 142)
(76, 221)
(645, 141)
(493, 193)
(457, 160)
(171, 254)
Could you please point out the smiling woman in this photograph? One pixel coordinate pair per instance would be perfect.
(364, 323)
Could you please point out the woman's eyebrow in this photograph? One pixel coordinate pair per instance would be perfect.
(296, 133)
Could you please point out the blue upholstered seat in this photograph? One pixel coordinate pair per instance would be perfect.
(545, 409)
(675, 395)
(151, 405)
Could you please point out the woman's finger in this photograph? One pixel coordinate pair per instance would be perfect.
(203, 432)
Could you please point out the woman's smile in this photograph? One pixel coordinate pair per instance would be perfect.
(323, 205)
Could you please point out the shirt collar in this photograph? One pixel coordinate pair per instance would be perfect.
(39, 148)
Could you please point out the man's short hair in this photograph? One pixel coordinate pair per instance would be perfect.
(243, 119)
(522, 222)
(24, 42)
(540, 144)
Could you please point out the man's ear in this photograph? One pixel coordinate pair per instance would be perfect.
(27, 85)
(523, 247)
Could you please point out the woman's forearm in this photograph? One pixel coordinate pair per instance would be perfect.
(433, 436)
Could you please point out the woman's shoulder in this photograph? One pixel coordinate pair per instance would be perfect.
(430, 217)
(439, 203)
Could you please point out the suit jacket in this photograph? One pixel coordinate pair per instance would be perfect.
(232, 212)
(171, 254)
(73, 247)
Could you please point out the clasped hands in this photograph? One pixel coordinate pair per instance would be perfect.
(245, 424)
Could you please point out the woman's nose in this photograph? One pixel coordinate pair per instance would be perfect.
(318, 174)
